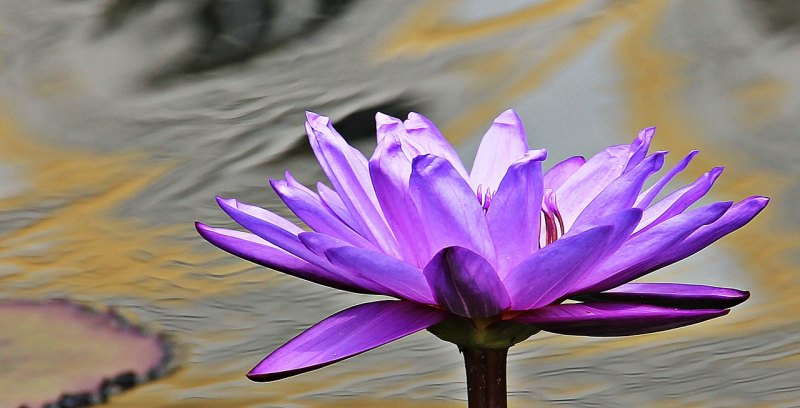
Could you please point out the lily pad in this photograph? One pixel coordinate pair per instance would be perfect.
(61, 354)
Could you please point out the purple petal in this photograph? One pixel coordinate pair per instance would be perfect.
(647, 197)
(589, 180)
(613, 319)
(514, 214)
(679, 200)
(267, 225)
(309, 208)
(465, 284)
(386, 125)
(637, 256)
(390, 170)
(255, 249)
(503, 144)
(422, 137)
(549, 273)
(347, 170)
(319, 243)
(345, 334)
(255, 220)
(736, 217)
(620, 193)
(558, 174)
(674, 295)
(394, 276)
(450, 213)
(334, 203)
(639, 148)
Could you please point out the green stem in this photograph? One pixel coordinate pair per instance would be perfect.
(486, 377)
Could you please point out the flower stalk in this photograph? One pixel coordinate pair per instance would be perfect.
(486, 377)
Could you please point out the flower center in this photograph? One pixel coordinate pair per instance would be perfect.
(553, 226)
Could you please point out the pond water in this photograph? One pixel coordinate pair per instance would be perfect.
(120, 120)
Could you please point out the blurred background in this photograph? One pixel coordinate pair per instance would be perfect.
(121, 119)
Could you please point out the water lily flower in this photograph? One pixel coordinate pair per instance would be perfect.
(487, 257)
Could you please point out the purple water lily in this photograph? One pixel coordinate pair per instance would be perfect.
(487, 257)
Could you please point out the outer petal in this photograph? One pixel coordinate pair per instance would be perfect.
(639, 147)
(637, 255)
(737, 216)
(679, 200)
(396, 277)
(674, 295)
(310, 209)
(558, 174)
(450, 213)
(514, 214)
(386, 125)
(620, 193)
(347, 170)
(465, 284)
(549, 274)
(613, 319)
(267, 225)
(504, 143)
(334, 203)
(422, 137)
(650, 194)
(345, 334)
(390, 171)
(319, 243)
(255, 249)
(255, 220)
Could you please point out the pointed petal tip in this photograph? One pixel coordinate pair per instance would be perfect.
(416, 121)
(382, 119)
(536, 154)
(745, 294)
(757, 204)
(424, 162)
(718, 209)
(763, 200)
(628, 216)
(319, 243)
(318, 123)
(278, 184)
(647, 132)
(225, 202)
(388, 128)
(659, 157)
(260, 375)
(201, 228)
(254, 375)
(508, 117)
